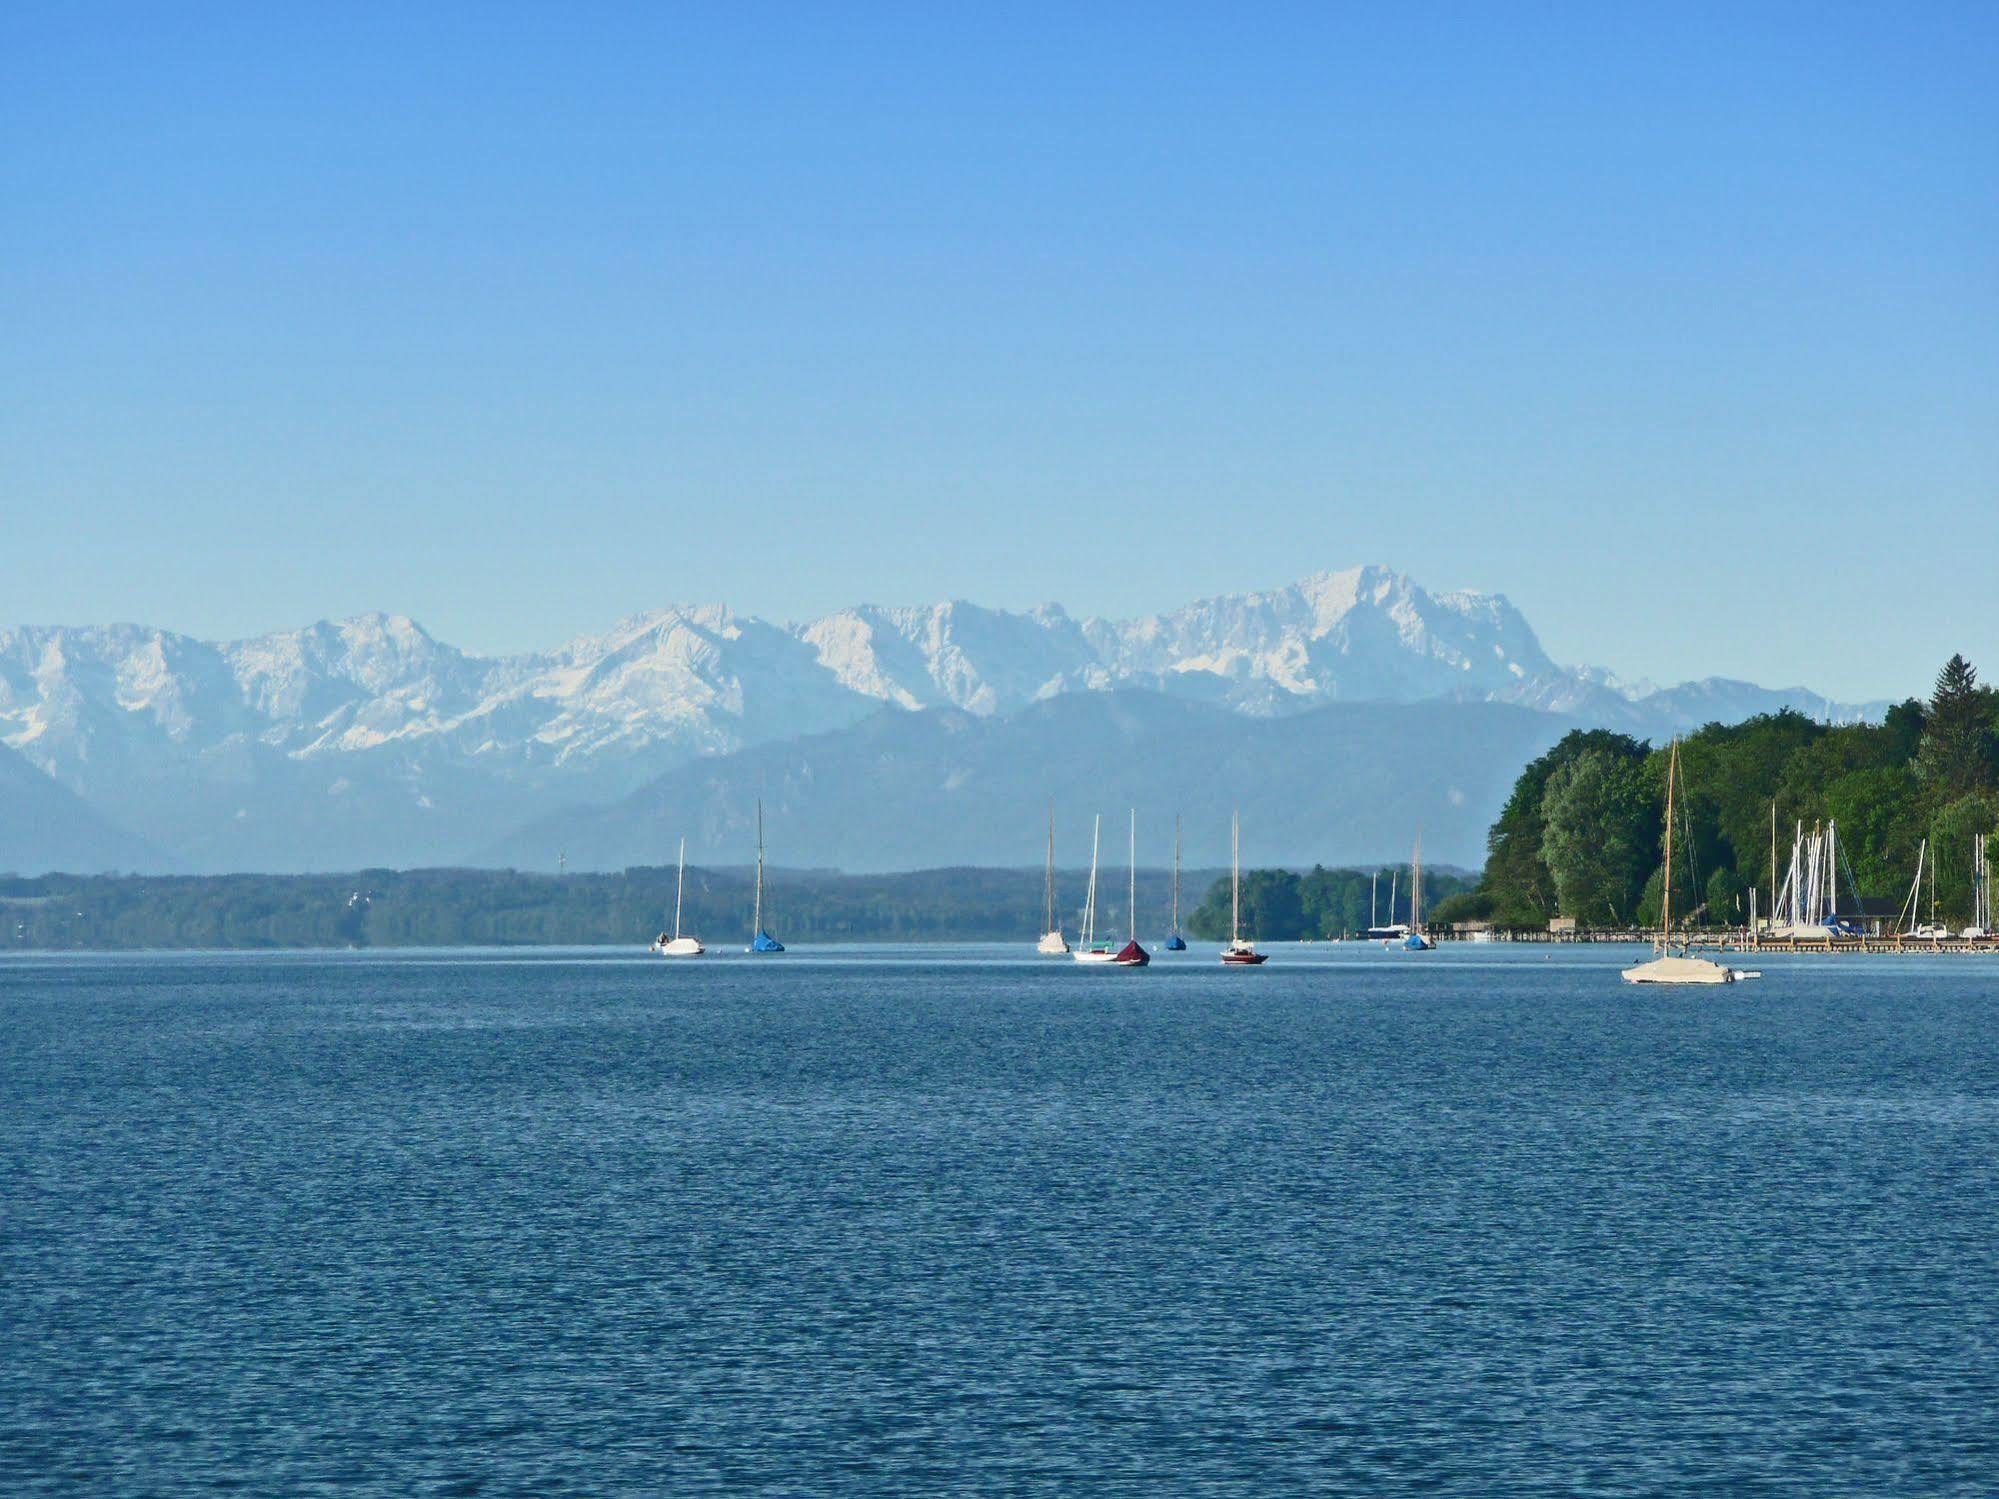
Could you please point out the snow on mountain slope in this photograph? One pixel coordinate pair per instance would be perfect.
(953, 655)
(370, 735)
(1366, 634)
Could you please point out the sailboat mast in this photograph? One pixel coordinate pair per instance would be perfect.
(1090, 901)
(1773, 856)
(1235, 876)
(758, 921)
(1050, 900)
(1176, 873)
(1416, 884)
(1666, 883)
(679, 884)
(1913, 906)
(1131, 897)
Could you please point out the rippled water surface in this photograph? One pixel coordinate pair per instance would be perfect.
(1481, 1221)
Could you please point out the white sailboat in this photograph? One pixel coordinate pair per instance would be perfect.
(1981, 891)
(1391, 932)
(1683, 968)
(1238, 954)
(677, 946)
(1807, 902)
(1088, 949)
(1910, 922)
(1052, 944)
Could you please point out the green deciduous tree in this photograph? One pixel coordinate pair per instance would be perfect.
(1602, 829)
(1518, 885)
(1726, 898)
(1880, 817)
(1951, 833)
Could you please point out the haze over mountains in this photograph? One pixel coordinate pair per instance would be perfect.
(889, 737)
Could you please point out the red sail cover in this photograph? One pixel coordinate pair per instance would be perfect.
(1132, 955)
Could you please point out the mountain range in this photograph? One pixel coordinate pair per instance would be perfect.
(366, 741)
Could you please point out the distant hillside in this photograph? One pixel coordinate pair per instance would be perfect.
(1345, 783)
(45, 826)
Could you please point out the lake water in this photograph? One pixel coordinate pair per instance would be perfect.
(1481, 1221)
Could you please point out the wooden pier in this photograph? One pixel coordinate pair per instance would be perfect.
(1745, 942)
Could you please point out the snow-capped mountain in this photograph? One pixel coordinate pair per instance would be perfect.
(1366, 634)
(368, 741)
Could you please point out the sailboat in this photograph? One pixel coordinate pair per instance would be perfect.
(763, 941)
(1414, 940)
(1131, 955)
(1088, 949)
(1238, 954)
(1910, 922)
(1666, 968)
(677, 946)
(1176, 943)
(1391, 932)
(1052, 944)
(1808, 900)
(1981, 891)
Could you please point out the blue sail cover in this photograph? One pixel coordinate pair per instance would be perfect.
(1173, 944)
(765, 942)
(1417, 942)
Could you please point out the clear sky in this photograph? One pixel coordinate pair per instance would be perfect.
(1677, 324)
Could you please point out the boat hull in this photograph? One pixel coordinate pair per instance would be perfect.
(1680, 971)
(1244, 959)
(679, 947)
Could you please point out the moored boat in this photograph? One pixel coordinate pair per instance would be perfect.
(676, 945)
(1175, 942)
(763, 941)
(1088, 949)
(1683, 967)
(1413, 939)
(1131, 955)
(1052, 944)
(1238, 953)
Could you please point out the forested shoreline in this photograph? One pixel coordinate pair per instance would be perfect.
(479, 907)
(1581, 835)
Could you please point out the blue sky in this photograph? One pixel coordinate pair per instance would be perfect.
(1677, 324)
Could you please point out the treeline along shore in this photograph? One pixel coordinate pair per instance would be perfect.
(1580, 837)
(382, 908)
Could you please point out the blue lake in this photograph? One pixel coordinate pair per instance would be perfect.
(916, 1219)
